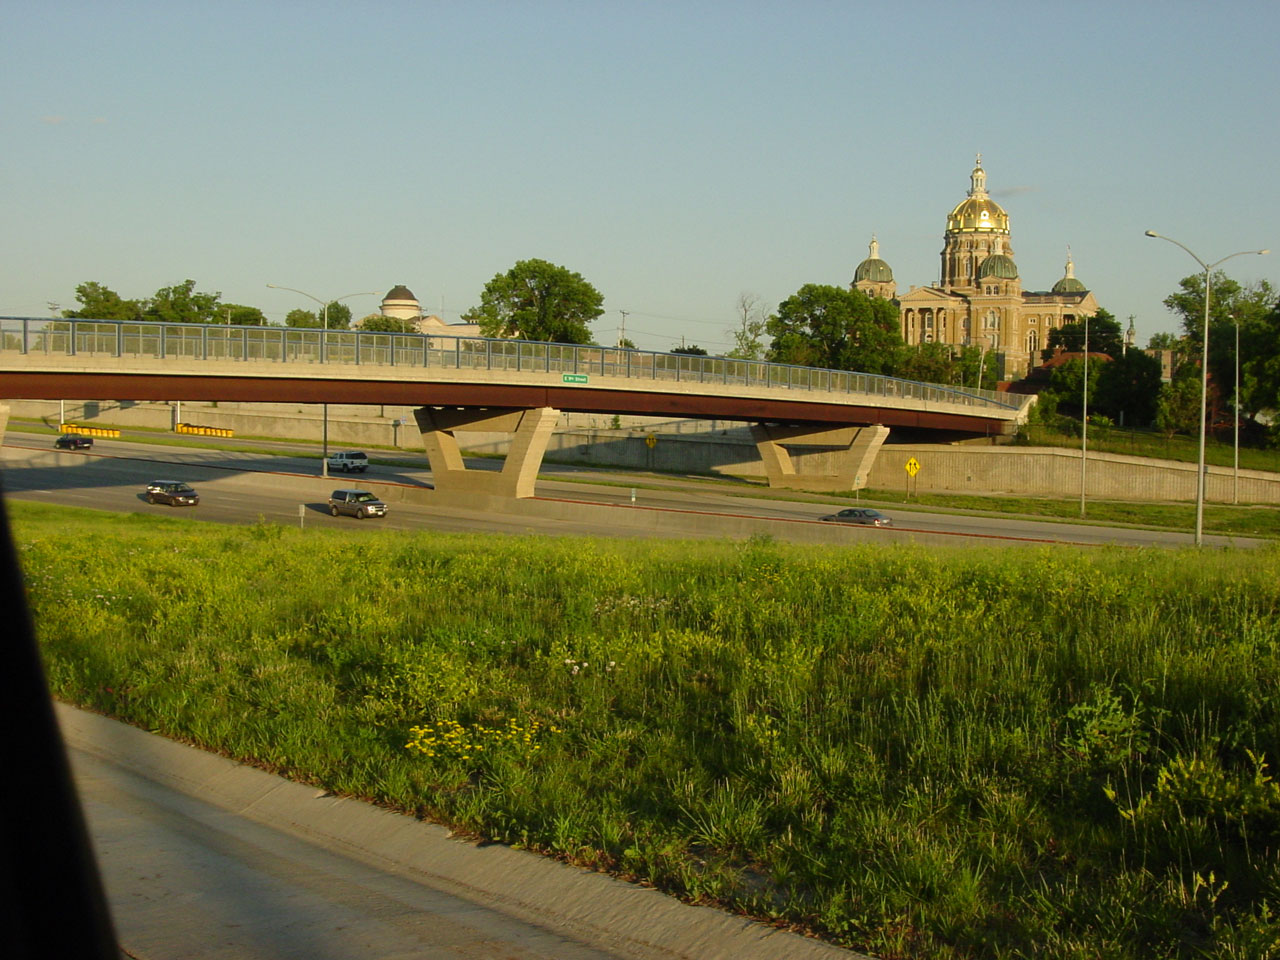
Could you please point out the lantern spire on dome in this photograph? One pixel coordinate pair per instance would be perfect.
(1069, 283)
(978, 181)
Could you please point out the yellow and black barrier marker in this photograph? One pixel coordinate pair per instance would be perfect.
(88, 431)
(203, 431)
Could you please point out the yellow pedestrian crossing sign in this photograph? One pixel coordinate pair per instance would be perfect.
(913, 467)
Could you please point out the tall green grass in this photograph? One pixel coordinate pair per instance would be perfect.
(919, 753)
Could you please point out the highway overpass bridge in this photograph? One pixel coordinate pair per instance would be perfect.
(460, 384)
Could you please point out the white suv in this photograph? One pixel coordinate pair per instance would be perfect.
(349, 462)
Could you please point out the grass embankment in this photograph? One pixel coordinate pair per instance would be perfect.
(917, 753)
(1245, 520)
(1150, 443)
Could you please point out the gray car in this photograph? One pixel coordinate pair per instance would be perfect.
(173, 492)
(872, 518)
(356, 503)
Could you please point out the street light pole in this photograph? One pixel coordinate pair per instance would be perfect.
(1084, 417)
(1204, 372)
(1235, 486)
(324, 337)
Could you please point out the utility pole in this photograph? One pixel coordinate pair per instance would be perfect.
(622, 330)
(1084, 417)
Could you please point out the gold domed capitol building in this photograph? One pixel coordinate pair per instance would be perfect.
(979, 300)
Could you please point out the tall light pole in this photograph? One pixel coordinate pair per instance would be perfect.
(1235, 486)
(991, 338)
(1084, 417)
(1204, 371)
(324, 336)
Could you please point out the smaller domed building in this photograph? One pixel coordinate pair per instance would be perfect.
(401, 304)
(873, 276)
(979, 299)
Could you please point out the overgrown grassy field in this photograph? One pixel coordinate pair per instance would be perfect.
(918, 753)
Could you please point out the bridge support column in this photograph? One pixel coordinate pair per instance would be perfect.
(530, 429)
(4, 419)
(854, 451)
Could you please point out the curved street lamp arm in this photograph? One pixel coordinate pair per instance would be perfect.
(1206, 267)
(276, 286)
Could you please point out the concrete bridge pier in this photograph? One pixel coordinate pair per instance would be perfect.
(531, 431)
(855, 450)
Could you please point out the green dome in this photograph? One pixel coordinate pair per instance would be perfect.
(874, 270)
(1069, 283)
(999, 267)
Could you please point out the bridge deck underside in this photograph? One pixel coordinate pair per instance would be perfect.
(114, 386)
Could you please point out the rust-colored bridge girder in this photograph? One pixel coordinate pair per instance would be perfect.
(48, 385)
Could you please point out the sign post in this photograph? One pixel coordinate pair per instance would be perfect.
(913, 467)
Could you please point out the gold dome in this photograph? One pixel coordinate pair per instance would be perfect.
(978, 213)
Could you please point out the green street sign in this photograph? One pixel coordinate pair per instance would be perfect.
(574, 378)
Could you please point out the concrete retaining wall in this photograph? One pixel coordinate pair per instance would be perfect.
(703, 447)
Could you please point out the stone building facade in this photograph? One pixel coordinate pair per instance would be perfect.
(979, 299)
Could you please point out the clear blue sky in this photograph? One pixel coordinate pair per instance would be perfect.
(675, 154)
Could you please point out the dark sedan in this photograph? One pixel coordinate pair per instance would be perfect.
(73, 441)
(173, 492)
(872, 518)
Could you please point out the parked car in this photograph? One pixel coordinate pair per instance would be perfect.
(173, 492)
(73, 441)
(356, 503)
(872, 518)
(349, 461)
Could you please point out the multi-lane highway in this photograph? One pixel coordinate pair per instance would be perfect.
(277, 484)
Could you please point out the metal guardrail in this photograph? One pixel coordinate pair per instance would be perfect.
(294, 345)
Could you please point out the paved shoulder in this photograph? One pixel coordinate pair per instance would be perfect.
(203, 857)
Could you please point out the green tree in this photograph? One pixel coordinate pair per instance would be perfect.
(537, 300)
(98, 302)
(973, 362)
(626, 343)
(1178, 407)
(692, 350)
(1105, 336)
(1251, 306)
(1228, 300)
(748, 335)
(377, 323)
(301, 318)
(241, 316)
(827, 326)
(182, 303)
(1128, 388)
(1164, 341)
(1067, 381)
(338, 318)
(929, 363)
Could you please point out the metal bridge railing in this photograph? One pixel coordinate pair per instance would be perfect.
(292, 345)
